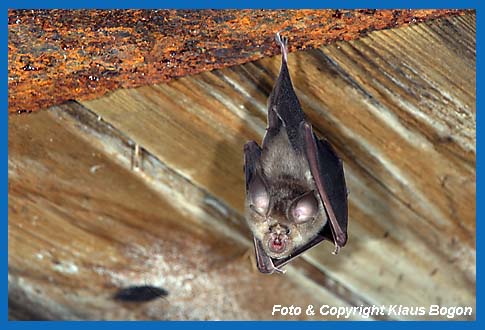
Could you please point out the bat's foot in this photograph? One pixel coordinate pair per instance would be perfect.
(279, 270)
(283, 43)
(337, 249)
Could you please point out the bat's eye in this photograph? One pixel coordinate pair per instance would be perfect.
(258, 196)
(304, 208)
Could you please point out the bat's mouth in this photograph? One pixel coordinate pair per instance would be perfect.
(277, 243)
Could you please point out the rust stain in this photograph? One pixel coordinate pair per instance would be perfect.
(57, 55)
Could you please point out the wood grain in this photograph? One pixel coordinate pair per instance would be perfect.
(399, 107)
(83, 225)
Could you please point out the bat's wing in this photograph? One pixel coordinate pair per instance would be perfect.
(334, 182)
(252, 153)
(328, 173)
(281, 262)
(284, 109)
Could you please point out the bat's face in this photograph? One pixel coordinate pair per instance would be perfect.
(283, 214)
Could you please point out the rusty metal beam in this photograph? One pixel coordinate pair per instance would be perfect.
(57, 55)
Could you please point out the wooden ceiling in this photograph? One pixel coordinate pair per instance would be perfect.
(399, 107)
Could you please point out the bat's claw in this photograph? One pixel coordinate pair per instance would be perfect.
(337, 249)
(283, 43)
(279, 270)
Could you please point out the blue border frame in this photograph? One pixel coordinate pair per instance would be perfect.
(184, 4)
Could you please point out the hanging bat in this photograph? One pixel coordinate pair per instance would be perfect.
(296, 195)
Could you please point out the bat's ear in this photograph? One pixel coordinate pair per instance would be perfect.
(258, 195)
(304, 208)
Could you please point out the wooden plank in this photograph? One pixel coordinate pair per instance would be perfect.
(400, 108)
(405, 120)
(83, 224)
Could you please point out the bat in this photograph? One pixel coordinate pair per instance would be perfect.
(296, 195)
